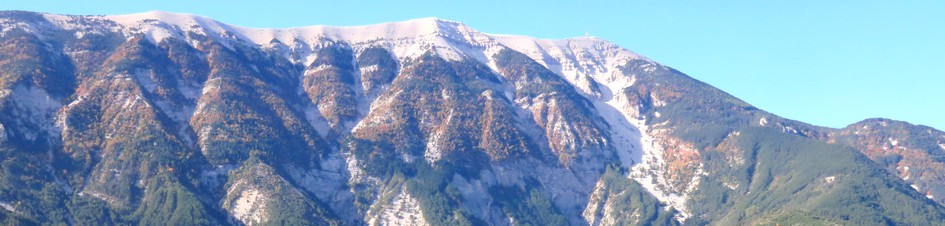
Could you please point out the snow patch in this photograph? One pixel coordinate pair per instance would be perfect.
(626, 137)
(8, 25)
(433, 152)
(475, 194)
(731, 185)
(35, 107)
(404, 209)
(635, 148)
(571, 57)
(250, 207)
(763, 122)
(355, 170)
(649, 173)
(316, 120)
(407, 39)
(8, 207)
(329, 183)
(157, 26)
(3, 133)
(594, 204)
(589, 63)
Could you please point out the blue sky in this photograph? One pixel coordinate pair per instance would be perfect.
(828, 63)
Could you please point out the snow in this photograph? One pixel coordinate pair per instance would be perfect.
(635, 147)
(626, 137)
(10, 25)
(433, 152)
(157, 25)
(3, 133)
(406, 39)
(404, 209)
(942, 146)
(475, 196)
(649, 173)
(7, 207)
(367, 70)
(568, 57)
(35, 106)
(763, 122)
(353, 34)
(250, 206)
(731, 185)
(356, 172)
(317, 121)
(589, 63)
(328, 183)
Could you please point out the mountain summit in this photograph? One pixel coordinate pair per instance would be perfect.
(161, 118)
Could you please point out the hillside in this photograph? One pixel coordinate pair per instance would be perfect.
(161, 118)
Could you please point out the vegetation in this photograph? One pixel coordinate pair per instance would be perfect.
(119, 130)
(628, 202)
(555, 99)
(284, 203)
(527, 206)
(329, 83)
(384, 70)
(790, 175)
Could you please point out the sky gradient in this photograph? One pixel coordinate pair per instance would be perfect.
(827, 63)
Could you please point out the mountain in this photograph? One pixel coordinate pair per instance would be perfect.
(914, 153)
(161, 118)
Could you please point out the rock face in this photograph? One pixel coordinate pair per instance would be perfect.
(161, 118)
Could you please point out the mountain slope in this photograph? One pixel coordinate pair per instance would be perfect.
(912, 152)
(161, 118)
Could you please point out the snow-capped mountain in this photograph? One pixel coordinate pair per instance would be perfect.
(158, 118)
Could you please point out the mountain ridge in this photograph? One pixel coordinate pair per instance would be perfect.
(354, 35)
(452, 126)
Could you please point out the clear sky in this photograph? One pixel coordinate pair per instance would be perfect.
(829, 63)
